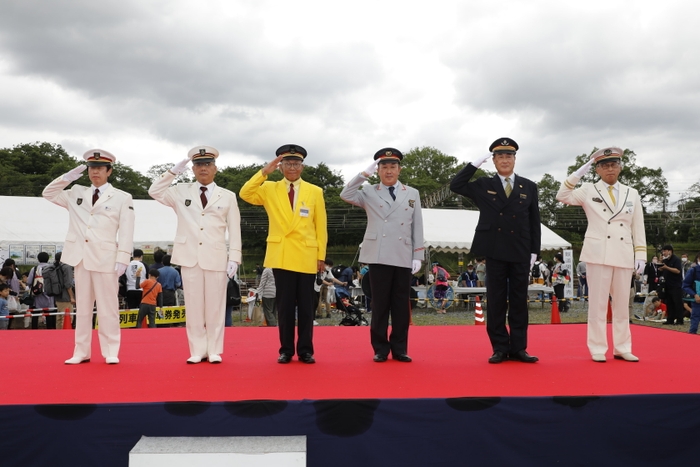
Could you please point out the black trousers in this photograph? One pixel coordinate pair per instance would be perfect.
(133, 298)
(391, 287)
(506, 292)
(674, 305)
(295, 295)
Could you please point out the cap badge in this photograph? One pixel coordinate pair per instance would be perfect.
(505, 142)
(97, 156)
(202, 152)
(607, 152)
(388, 153)
(292, 150)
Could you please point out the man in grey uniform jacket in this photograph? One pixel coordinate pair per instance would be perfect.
(393, 248)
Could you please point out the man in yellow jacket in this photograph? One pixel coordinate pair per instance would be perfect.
(296, 244)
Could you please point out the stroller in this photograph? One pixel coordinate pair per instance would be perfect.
(353, 315)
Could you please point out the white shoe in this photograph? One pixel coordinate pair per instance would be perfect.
(214, 358)
(77, 360)
(112, 360)
(628, 357)
(598, 357)
(194, 359)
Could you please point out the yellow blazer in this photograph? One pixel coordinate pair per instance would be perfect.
(296, 240)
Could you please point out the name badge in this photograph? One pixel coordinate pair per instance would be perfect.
(304, 212)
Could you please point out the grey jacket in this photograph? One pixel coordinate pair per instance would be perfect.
(394, 234)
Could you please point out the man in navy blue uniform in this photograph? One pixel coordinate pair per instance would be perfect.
(508, 235)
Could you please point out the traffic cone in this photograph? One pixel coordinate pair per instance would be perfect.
(478, 314)
(609, 311)
(67, 320)
(556, 319)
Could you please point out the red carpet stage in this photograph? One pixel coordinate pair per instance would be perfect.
(447, 407)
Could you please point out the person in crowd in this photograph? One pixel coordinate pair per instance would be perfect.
(468, 277)
(509, 236)
(393, 248)
(538, 271)
(651, 274)
(691, 286)
(158, 256)
(582, 281)
(98, 215)
(685, 264)
(65, 301)
(654, 309)
(136, 266)
(14, 282)
(324, 282)
(481, 272)
(205, 213)
(344, 283)
(559, 280)
(613, 248)
(296, 245)
(7, 273)
(152, 297)
(4, 309)
(267, 291)
(672, 294)
(441, 286)
(170, 281)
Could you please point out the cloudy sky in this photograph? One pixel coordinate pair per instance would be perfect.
(148, 80)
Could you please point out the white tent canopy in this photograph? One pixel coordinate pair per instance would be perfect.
(35, 222)
(452, 230)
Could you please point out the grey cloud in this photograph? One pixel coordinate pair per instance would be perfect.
(131, 52)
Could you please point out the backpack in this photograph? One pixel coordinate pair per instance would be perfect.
(233, 293)
(38, 283)
(441, 275)
(536, 272)
(53, 285)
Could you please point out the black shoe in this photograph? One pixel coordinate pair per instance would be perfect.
(523, 356)
(379, 358)
(498, 357)
(402, 358)
(307, 358)
(667, 323)
(284, 358)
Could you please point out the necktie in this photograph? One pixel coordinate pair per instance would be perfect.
(291, 195)
(391, 192)
(95, 196)
(612, 196)
(203, 196)
(508, 188)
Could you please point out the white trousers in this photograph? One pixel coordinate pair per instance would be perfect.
(604, 281)
(103, 287)
(205, 308)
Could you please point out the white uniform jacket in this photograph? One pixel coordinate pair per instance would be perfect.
(394, 234)
(201, 232)
(615, 234)
(99, 235)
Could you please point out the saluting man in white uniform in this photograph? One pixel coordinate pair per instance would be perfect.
(614, 247)
(205, 212)
(98, 245)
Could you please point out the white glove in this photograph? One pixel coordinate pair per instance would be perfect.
(231, 269)
(370, 170)
(477, 163)
(75, 173)
(120, 268)
(416, 266)
(533, 258)
(584, 169)
(180, 167)
(639, 265)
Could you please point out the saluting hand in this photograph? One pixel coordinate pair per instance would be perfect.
(75, 173)
(272, 166)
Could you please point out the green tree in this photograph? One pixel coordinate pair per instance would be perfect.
(127, 179)
(27, 168)
(547, 189)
